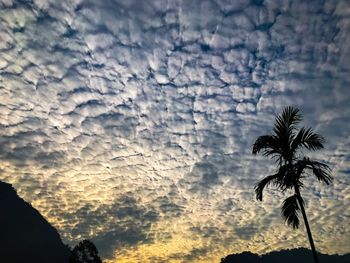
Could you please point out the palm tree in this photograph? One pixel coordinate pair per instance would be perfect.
(284, 146)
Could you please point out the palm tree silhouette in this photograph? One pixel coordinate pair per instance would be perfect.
(284, 146)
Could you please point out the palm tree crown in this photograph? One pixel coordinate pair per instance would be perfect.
(284, 146)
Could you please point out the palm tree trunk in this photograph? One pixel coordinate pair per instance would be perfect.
(308, 230)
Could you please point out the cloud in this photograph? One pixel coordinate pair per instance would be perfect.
(129, 224)
(164, 100)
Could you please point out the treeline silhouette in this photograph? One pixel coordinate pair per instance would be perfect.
(299, 255)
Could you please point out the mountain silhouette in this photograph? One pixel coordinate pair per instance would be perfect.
(300, 255)
(26, 236)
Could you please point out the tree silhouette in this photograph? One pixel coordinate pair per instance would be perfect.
(284, 146)
(85, 252)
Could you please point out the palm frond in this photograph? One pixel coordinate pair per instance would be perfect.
(264, 142)
(259, 187)
(321, 170)
(285, 122)
(284, 179)
(288, 178)
(285, 128)
(290, 210)
(307, 138)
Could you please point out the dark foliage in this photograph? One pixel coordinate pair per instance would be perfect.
(285, 256)
(85, 252)
(289, 211)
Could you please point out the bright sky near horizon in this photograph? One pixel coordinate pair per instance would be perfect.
(131, 122)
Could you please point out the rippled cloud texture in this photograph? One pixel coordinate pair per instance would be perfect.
(131, 122)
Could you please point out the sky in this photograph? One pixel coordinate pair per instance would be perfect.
(131, 123)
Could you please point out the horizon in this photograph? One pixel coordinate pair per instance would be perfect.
(131, 123)
(41, 233)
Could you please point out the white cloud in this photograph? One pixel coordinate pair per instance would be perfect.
(152, 108)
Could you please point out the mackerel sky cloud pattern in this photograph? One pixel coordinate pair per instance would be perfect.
(131, 122)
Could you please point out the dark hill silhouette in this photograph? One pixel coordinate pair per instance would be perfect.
(300, 255)
(25, 236)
